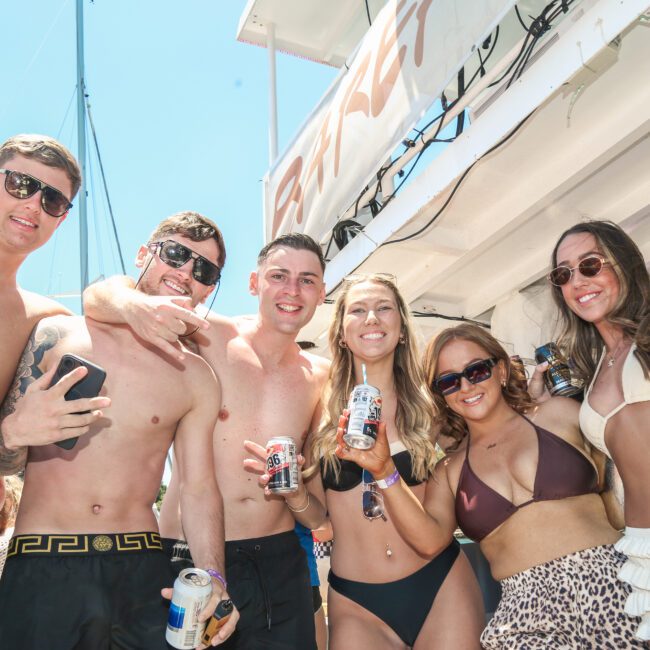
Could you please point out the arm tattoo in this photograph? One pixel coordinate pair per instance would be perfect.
(40, 341)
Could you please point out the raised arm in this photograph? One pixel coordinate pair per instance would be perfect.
(428, 528)
(159, 320)
(34, 414)
(201, 503)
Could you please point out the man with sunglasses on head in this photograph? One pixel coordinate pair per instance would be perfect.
(270, 388)
(86, 542)
(39, 178)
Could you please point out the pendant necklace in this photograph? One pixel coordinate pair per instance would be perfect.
(612, 357)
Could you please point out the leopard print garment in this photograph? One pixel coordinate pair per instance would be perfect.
(572, 603)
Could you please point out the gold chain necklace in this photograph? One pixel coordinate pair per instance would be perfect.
(612, 357)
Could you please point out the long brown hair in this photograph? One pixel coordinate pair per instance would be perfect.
(515, 392)
(579, 339)
(415, 409)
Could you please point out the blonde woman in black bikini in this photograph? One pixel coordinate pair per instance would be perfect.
(523, 486)
(386, 592)
(601, 286)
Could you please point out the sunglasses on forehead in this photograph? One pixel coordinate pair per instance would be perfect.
(475, 373)
(589, 267)
(176, 255)
(23, 186)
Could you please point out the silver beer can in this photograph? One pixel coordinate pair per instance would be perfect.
(192, 591)
(365, 412)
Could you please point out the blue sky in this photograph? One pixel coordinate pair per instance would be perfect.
(180, 109)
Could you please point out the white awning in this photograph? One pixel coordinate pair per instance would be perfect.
(325, 31)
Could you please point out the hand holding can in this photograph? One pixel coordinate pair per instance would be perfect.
(365, 413)
(192, 591)
(558, 374)
(282, 465)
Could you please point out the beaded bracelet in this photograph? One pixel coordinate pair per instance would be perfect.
(299, 509)
(384, 483)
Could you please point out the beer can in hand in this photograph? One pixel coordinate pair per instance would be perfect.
(192, 591)
(365, 412)
(558, 374)
(282, 465)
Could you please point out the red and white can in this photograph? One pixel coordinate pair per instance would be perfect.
(282, 465)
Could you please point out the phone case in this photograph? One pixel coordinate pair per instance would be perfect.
(89, 386)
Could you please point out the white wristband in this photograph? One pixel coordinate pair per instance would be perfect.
(384, 483)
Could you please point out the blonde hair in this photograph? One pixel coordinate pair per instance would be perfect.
(515, 391)
(415, 409)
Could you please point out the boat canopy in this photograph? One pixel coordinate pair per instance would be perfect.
(543, 111)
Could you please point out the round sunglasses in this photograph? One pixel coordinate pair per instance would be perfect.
(176, 255)
(589, 267)
(475, 373)
(23, 186)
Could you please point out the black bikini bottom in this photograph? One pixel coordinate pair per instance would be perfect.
(403, 604)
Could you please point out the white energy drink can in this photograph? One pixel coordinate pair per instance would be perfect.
(282, 465)
(365, 412)
(192, 591)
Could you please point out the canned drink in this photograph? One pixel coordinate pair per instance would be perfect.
(365, 411)
(282, 465)
(558, 375)
(192, 591)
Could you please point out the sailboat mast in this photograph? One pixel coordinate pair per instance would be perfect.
(81, 143)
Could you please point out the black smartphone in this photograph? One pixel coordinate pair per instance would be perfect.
(221, 615)
(89, 386)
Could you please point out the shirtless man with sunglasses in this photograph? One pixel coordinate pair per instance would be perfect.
(270, 388)
(39, 178)
(86, 540)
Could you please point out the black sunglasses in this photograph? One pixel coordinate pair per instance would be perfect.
(23, 186)
(372, 499)
(589, 267)
(475, 373)
(176, 255)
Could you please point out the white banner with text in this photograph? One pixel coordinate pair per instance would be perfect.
(413, 50)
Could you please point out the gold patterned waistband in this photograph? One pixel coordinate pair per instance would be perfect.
(101, 544)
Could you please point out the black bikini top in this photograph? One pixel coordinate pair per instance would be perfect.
(350, 473)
